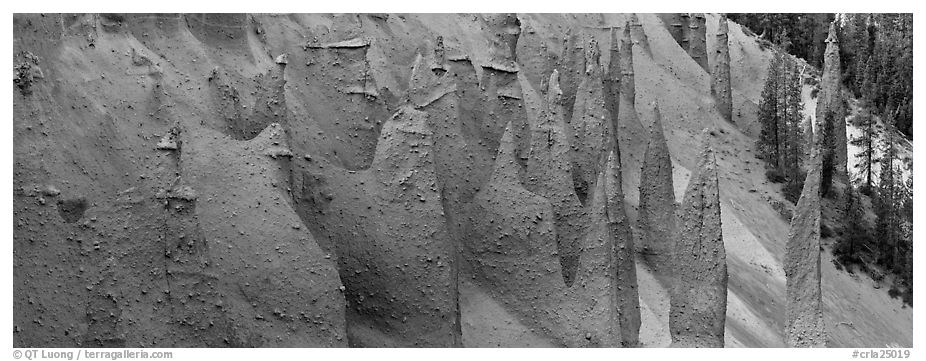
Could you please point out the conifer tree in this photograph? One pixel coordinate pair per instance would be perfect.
(888, 201)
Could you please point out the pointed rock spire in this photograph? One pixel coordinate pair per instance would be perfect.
(802, 265)
(506, 169)
(699, 293)
(403, 187)
(628, 86)
(657, 220)
(626, 296)
(518, 263)
(596, 284)
(628, 123)
(571, 63)
(549, 166)
(720, 76)
(830, 99)
(611, 85)
(591, 136)
(697, 44)
(549, 170)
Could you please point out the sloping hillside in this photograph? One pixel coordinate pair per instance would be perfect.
(339, 172)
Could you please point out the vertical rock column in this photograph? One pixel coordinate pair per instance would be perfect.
(697, 44)
(829, 100)
(629, 124)
(802, 265)
(590, 136)
(408, 288)
(549, 174)
(720, 77)
(699, 292)
(611, 84)
(626, 295)
(657, 220)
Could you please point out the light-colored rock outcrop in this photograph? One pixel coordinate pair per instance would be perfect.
(720, 76)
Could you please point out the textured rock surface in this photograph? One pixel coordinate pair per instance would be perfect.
(829, 99)
(627, 294)
(612, 82)
(638, 35)
(270, 103)
(657, 221)
(265, 272)
(699, 291)
(515, 256)
(720, 76)
(697, 40)
(504, 30)
(806, 326)
(549, 174)
(686, 30)
(630, 128)
(395, 256)
(590, 126)
(501, 89)
(96, 204)
(673, 23)
(571, 66)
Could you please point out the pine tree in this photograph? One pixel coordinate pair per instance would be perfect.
(855, 234)
(888, 201)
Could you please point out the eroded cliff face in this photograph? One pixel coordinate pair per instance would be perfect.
(319, 180)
